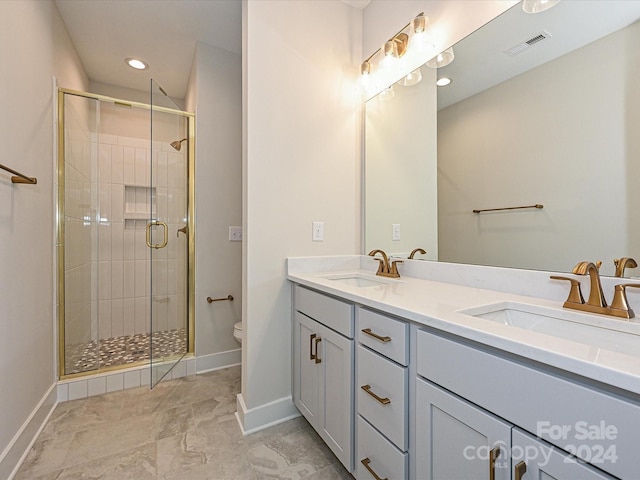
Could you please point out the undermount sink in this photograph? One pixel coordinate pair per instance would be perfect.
(611, 334)
(359, 279)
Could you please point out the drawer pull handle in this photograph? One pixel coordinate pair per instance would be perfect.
(519, 470)
(312, 356)
(367, 331)
(366, 463)
(317, 340)
(493, 455)
(383, 401)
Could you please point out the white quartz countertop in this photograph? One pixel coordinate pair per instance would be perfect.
(436, 304)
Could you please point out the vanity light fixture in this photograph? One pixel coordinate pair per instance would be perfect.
(420, 41)
(395, 48)
(411, 79)
(387, 93)
(136, 63)
(443, 81)
(442, 59)
(537, 6)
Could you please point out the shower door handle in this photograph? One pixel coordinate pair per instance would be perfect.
(165, 240)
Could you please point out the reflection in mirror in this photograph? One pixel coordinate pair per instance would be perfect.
(400, 190)
(556, 124)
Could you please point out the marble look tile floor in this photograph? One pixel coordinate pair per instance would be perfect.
(183, 429)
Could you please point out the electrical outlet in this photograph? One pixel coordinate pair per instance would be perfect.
(235, 234)
(317, 234)
(395, 232)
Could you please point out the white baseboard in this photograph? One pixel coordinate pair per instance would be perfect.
(215, 361)
(264, 416)
(20, 445)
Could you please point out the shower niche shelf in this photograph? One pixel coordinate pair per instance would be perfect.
(139, 202)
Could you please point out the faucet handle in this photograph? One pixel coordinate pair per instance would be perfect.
(381, 266)
(620, 299)
(393, 271)
(575, 294)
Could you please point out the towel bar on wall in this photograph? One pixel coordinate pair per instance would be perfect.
(537, 205)
(19, 177)
(228, 297)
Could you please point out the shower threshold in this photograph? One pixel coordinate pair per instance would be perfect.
(124, 350)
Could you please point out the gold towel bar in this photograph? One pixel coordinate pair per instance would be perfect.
(537, 205)
(19, 177)
(228, 297)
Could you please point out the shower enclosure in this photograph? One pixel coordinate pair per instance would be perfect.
(125, 233)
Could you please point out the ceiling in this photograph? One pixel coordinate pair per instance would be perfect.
(163, 33)
(480, 59)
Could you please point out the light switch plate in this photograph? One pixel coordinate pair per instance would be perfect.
(395, 235)
(235, 234)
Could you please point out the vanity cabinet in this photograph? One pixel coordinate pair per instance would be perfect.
(323, 368)
(403, 400)
(382, 397)
(458, 440)
(471, 400)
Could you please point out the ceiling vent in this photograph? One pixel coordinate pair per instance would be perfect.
(521, 47)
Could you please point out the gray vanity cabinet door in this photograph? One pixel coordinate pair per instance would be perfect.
(323, 384)
(307, 373)
(544, 462)
(336, 395)
(454, 438)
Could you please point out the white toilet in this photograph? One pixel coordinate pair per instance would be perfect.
(237, 332)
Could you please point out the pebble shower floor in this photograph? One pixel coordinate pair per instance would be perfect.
(123, 350)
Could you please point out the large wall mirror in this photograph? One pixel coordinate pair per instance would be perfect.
(543, 109)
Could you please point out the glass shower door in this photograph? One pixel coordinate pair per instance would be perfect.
(167, 235)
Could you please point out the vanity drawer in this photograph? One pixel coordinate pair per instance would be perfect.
(389, 382)
(385, 460)
(329, 311)
(384, 335)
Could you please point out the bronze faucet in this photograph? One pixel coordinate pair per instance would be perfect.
(384, 268)
(622, 263)
(596, 295)
(416, 250)
(597, 302)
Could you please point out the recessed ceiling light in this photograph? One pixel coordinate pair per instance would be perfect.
(136, 63)
(443, 81)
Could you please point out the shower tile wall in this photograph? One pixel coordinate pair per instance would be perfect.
(124, 260)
